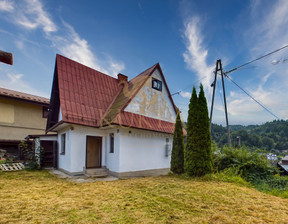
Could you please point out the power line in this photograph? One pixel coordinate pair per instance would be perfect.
(234, 69)
(189, 86)
(218, 90)
(265, 108)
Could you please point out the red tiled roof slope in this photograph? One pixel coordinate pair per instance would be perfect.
(23, 96)
(84, 93)
(129, 119)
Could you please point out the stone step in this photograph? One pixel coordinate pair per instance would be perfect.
(97, 172)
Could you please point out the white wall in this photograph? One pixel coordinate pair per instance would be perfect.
(153, 103)
(112, 159)
(143, 150)
(74, 159)
(64, 161)
(135, 151)
(60, 115)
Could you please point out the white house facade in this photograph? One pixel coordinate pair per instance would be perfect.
(103, 124)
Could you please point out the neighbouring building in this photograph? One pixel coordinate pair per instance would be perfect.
(21, 114)
(283, 165)
(107, 124)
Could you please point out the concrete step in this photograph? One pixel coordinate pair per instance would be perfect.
(97, 172)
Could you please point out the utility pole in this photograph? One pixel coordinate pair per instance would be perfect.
(219, 69)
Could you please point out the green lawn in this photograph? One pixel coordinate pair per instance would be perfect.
(39, 197)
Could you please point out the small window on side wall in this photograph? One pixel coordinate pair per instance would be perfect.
(45, 112)
(63, 144)
(111, 143)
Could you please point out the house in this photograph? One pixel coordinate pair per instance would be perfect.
(112, 124)
(283, 165)
(20, 114)
(272, 159)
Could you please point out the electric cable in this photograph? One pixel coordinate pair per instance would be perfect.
(189, 86)
(221, 96)
(257, 59)
(265, 108)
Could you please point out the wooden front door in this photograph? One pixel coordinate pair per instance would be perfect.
(93, 151)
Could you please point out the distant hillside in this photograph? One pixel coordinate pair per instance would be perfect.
(271, 136)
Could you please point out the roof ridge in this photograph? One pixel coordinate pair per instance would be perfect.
(26, 96)
(155, 65)
(22, 92)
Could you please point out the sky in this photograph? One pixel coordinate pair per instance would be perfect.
(129, 36)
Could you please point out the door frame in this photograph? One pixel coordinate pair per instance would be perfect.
(100, 154)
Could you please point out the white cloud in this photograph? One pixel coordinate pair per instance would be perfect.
(115, 67)
(16, 82)
(19, 44)
(6, 6)
(31, 15)
(239, 104)
(73, 46)
(266, 77)
(185, 94)
(268, 83)
(195, 55)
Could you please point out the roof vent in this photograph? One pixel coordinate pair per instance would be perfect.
(122, 77)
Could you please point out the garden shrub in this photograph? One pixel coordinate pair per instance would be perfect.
(252, 166)
(32, 157)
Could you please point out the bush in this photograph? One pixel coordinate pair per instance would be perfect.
(230, 175)
(252, 166)
(32, 157)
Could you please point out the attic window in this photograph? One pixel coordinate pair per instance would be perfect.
(156, 84)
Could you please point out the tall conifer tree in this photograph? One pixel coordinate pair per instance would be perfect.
(191, 142)
(177, 157)
(204, 141)
(198, 156)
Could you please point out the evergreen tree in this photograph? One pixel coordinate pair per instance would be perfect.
(205, 163)
(192, 124)
(177, 157)
(198, 155)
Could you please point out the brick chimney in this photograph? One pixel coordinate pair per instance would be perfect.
(122, 77)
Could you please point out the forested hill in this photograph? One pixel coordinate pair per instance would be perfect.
(271, 136)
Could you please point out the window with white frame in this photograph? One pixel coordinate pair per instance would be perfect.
(111, 143)
(63, 144)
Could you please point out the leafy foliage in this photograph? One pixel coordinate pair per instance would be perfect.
(32, 157)
(252, 167)
(271, 136)
(177, 157)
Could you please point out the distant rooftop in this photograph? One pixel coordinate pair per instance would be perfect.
(23, 96)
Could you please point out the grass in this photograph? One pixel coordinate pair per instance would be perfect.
(39, 197)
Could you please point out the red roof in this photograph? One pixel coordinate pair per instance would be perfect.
(132, 120)
(85, 94)
(89, 97)
(23, 96)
